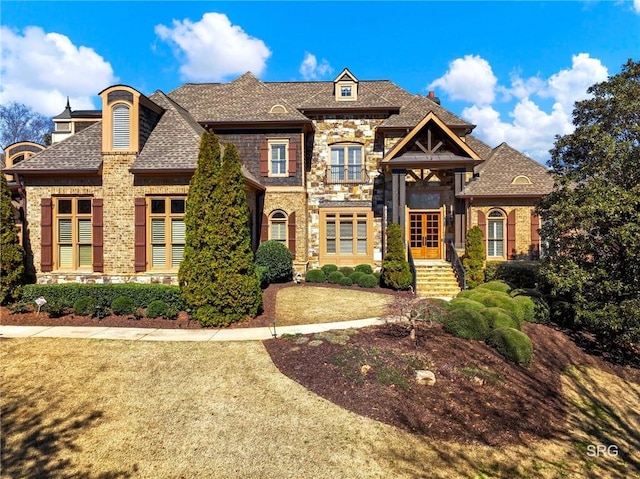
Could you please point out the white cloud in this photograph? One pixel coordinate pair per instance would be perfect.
(41, 69)
(636, 6)
(311, 70)
(213, 49)
(528, 127)
(469, 79)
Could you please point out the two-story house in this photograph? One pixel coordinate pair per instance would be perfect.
(327, 166)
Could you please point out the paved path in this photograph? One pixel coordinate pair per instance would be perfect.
(148, 334)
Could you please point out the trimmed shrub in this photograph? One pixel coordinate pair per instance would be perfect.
(160, 309)
(541, 310)
(464, 303)
(327, 269)
(262, 274)
(56, 308)
(346, 270)
(278, 260)
(315, 276)
(346, 281)
(466, 324)
(467, 293)
(499, 318)
(500, 286)
(85, 306)
(396, 275)
(473, 259)
(355, 276)
(364, 268)
(521, 274)
(377, 275)
(367, 281)
(20, 307)
(335, 277)
(501, 300)
(513, 345)
(123, 305)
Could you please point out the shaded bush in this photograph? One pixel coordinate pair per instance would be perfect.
(56, 308)
(541, 310)
(473, 259)
(367, 281)
(278, 260)
(20, 307)
(335, 277)
(262, 274)
(355, 276)
(364, 268)
(315, 276)
(123, 305)
(346, 281)
(499, 318)
(327, 269)
(85, 306)
(346, 270)
(396, 275)
(512, 344)
(465, 303)
(520, 274)
(466, 324)
(160, 309)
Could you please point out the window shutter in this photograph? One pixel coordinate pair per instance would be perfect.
(292, 233)
(98, 265)
(264, 159)
(293, 158)
(482, 224)
(535, 236)
(121, 127)
(264, 229)
(511, 235)
(46, 232)
(140, 235)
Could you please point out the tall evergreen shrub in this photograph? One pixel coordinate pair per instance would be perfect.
(11, 253)
(396, 273)
(473, 260)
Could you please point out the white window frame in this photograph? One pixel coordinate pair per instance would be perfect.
(281, 219)
(121, 127)
(271, 144)
(493, 239)
(345, 170)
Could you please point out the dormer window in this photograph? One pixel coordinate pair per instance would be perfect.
(346, 86)
(345, 91)
(121, 128)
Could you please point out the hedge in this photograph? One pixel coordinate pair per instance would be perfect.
(465, 303)
(466, 324)
(512, 344)
(104, 294)
(502, 300)
(499, 318)
(500, 286)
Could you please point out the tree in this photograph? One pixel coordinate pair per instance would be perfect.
(396, 273)
(196, 274)
(591, 220)
(11, 253)
(18, 122)
(473, 260)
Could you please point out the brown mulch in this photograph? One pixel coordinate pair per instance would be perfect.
(479, 397)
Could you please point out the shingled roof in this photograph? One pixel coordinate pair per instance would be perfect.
(80, 153)
(415, 109)
(498, 172)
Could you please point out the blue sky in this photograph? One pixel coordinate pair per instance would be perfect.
(513, 68)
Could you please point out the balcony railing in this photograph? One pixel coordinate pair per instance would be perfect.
(346, 175)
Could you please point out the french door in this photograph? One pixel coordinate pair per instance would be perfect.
(425, 235)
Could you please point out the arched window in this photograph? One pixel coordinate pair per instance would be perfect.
(495, 234)
(121, 127)
(278, 227)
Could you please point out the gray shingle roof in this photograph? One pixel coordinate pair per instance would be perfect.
(481, 148)
(416, 108)
(173, 143)
(497, 172)
(245, 99)
(81, 152)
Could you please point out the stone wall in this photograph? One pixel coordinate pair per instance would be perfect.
(290, 201)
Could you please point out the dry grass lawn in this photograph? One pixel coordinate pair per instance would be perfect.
(127, 409)
(309, 305)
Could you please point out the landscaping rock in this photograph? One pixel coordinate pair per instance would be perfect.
(425, 377)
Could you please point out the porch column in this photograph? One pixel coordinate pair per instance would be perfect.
(460, 210)
(398, 196)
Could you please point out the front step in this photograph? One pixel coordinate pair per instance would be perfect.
(436, 279)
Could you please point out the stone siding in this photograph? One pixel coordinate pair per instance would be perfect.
(289, 202)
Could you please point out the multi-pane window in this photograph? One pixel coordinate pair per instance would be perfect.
(346, 164)
(120, 124)
(166, 232)
(495, 235)
(345, 91)
(346, 233)
(278, 157)
(73, 233)
(278, 227)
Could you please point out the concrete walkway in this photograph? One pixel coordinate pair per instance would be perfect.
(148, 334)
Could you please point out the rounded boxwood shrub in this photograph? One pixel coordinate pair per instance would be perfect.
(501, 300)
(278, 260)
(467, 293)
(160, 309)
(367, 281)
(495, 286)
(464, 303)
(541, 310)
(56, 308)
(335, 277)
(355, 276)
(364, 268)
(327, 269)
(499, 318)
(346, 270)
(85, 306)
(346, 281)
(315, 276)
(466, 323)
(123, 305)
(512, 344)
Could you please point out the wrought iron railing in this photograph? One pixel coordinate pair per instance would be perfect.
(412, 268)
(347, 175)
(456, 264)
